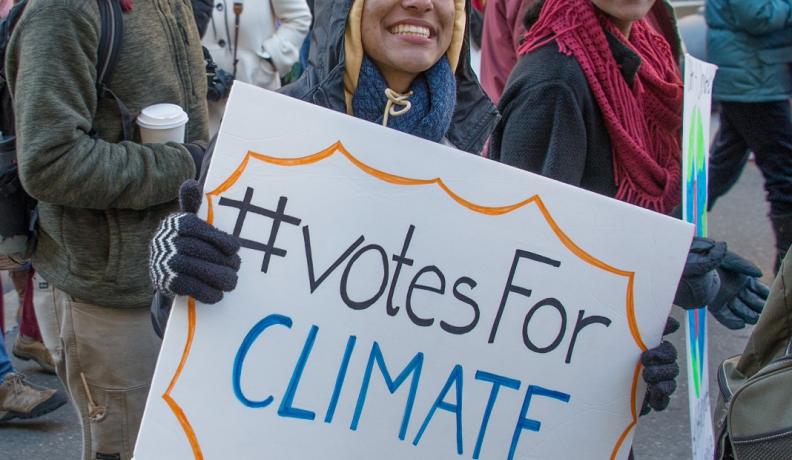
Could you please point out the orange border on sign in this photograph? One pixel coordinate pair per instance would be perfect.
(338, 147)
(177, 410)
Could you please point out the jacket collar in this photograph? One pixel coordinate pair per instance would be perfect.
(629, 62)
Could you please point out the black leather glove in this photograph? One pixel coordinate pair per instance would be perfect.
(700, 281)
(197, 151)
(190, 256)
(660, 372)
(742, 296)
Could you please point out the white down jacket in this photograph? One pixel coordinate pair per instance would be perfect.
(271, 28)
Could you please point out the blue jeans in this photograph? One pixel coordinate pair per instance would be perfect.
(5, 362)
(764, 128)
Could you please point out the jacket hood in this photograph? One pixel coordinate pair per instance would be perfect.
(322, 81)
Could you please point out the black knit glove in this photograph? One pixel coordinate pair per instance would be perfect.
(742, 296)
(190, 256)
(660, 372)
(700, 281)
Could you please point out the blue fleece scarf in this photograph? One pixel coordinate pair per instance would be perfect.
(432, 102)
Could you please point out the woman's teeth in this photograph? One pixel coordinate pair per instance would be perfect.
(406, 29)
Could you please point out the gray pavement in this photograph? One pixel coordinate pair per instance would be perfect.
(739, 218)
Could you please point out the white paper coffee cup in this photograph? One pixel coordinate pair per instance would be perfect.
(160, 123)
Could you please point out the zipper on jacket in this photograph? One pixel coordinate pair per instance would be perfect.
(166, 17)
(110, 47)
(187, 56)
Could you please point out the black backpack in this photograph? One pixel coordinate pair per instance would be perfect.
(18, 209)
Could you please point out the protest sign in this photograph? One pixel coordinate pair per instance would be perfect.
(399, 299)
(699, 77)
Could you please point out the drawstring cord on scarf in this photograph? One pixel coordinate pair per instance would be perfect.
(395, 99)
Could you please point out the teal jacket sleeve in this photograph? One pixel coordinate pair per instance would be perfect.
(759, 17)
(51, 64)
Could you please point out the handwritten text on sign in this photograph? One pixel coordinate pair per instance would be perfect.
(429, 278)
(384, 312)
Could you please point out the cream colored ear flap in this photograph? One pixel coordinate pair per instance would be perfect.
(353, 52)
(458, 36)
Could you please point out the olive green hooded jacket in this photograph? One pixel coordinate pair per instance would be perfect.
(101, 198)
(773, 332)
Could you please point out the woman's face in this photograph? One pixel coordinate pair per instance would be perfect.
(406, 37)
(624, 12)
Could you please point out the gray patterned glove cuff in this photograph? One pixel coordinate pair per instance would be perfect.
(191, 257)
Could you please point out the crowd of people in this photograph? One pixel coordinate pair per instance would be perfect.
(588, 92)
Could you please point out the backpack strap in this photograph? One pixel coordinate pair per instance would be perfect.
(7, 26)
(112, 25)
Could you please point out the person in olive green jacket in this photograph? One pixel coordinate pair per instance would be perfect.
(101, 198)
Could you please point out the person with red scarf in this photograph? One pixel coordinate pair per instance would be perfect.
(504, 29)
(595, 101)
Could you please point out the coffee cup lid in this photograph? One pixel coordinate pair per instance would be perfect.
(162, 116)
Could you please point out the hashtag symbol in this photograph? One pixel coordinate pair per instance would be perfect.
(277, 217)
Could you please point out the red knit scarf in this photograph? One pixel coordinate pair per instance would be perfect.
(643, 122)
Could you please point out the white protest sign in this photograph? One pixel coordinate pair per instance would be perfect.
(399, 299)
(699, 77)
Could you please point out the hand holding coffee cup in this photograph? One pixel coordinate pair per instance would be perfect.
(160, 123)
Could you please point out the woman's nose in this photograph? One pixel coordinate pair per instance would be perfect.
(418, 5)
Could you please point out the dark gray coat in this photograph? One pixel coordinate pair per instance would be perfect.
(551, 122)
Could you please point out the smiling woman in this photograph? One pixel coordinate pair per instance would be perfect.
(596, 101)
(401, 57)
